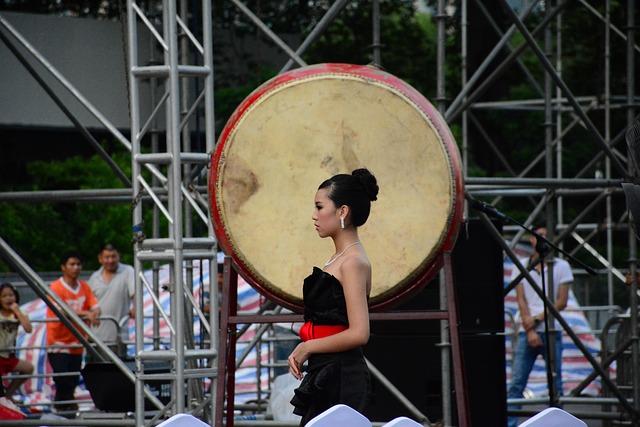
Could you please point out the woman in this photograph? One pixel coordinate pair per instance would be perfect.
(335, 299)
(10, 318)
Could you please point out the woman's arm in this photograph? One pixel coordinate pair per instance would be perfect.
(354, 284)
(24, 320)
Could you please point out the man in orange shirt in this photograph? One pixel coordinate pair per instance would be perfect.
(65, 351)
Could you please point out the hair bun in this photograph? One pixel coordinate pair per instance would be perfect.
(368, 181)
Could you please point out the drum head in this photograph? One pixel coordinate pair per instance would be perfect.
(304, 126)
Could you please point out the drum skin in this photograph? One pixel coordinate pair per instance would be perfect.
(306, 125)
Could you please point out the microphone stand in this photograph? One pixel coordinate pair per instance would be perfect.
(493, 212)
(542, 249)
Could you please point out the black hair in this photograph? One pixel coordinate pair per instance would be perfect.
(357, 191)
(66, 256)
(536, 227)
(108, 247)
(10, 286)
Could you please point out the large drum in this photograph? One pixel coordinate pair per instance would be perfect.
(304, 126)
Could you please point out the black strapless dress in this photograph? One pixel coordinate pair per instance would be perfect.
(331, 378)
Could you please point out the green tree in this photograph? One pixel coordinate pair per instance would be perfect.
(42, 232)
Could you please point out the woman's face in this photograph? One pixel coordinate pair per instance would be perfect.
(325, 215)
(7, 297)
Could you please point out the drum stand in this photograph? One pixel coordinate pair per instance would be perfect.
(229, 318)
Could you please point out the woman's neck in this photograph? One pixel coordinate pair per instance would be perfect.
(6, 312)
(345, 238)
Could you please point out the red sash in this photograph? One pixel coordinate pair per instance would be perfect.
(309, 331)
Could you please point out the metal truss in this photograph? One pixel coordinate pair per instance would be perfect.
(184, 62)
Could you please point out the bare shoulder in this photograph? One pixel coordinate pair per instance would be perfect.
(356, 272)
(357, 264)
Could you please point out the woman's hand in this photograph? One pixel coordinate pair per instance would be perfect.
(15, 308)
(24, 320)
(297, 358)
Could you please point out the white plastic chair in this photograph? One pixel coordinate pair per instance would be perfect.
(340, 416)
(553, 417)
(402, 422)
(183, 420)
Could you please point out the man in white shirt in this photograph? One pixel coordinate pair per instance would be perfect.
(114, 286)
(531, 338)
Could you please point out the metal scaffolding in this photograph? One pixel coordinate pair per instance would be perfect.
(171, 74)
(166, 168)
(553, 194)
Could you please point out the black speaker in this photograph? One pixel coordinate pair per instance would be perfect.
(112, 391)
(477, 263)
(484, 362)
(479, 279)
(406, 352)
(412, 363)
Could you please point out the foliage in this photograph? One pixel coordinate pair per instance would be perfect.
(81, 8)
(408, 37)
(228, 97)
(41, 232)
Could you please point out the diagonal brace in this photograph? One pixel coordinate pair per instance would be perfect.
(523, 67)
(602, 260)
(74, 92)
(605, 364)
(454, 108)
(563, 87)
(491, 144)
(615, 141)
(324, 22)
(83, 130)
(273, 36)
(67, 315)
(459, 105)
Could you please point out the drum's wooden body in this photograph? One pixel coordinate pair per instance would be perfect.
(304, 126)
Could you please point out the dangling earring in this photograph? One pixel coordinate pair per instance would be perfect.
(341, 222)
